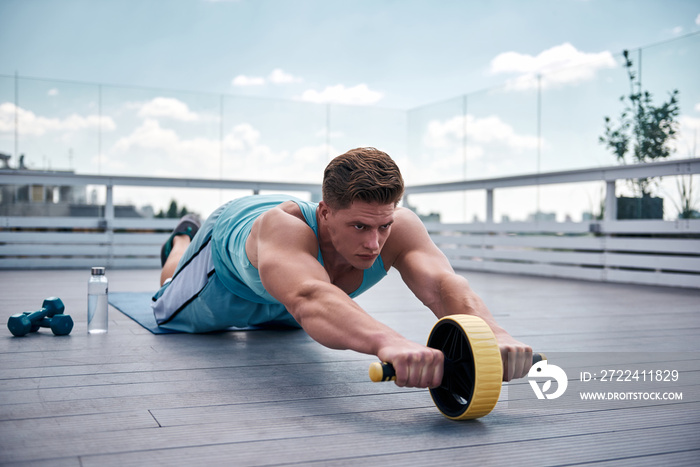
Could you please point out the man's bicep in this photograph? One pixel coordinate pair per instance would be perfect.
(286, 260)
(285, 272)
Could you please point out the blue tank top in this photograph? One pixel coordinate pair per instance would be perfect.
(228, 247)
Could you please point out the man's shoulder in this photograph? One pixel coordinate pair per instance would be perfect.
(405, 231)
(283, 221)
(287, 212)
(281, 230)
(406, 219)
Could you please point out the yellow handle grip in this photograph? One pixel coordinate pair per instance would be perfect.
(379, 372)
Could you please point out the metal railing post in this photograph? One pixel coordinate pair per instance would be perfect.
(610, 202)
(109, 222)
(489, 205)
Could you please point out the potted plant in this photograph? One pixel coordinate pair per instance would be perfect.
(642, 133)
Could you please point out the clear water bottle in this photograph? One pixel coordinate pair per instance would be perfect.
(97, 301)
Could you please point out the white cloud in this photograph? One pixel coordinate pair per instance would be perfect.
(562, 64)
(697, 20)
(167, 107)
(479, 131)
(53, 92)
(31, 124)
(149, 135)
(697, 107)
(677, 31)
(245, 156)
(688, 137)
(243, 80)
(276, 76)
(339, 94)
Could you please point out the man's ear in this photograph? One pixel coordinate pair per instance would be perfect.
(323, 210)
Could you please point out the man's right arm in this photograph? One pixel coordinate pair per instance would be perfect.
(290, 272)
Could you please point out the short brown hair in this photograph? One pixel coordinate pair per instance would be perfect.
(364, 174)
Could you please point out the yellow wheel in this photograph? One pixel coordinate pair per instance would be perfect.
(473, 374)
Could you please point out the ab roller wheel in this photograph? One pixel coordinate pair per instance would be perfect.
(473, 367)
(473, 374)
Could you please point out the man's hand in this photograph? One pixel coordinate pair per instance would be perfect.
(415, 365)
(516, 356)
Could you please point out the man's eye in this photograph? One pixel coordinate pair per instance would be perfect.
(359, 227)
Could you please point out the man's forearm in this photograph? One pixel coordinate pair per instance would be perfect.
(457, 297)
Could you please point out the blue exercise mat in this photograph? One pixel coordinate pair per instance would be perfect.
(137, 306)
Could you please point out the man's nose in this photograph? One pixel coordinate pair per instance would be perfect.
(372, 240)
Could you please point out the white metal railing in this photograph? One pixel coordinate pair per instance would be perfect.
(637, 251)
(75, 242)
(609, 175)
(654, 252)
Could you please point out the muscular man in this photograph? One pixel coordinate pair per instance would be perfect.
(276, 259)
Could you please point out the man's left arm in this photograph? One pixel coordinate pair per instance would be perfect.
(429, 275)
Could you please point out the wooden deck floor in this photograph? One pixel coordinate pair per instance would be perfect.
(278, 398)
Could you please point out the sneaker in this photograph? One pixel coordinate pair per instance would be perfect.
(189, 225)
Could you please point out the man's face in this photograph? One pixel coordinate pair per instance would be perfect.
(360, 231)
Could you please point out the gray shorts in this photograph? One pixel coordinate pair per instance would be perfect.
(195, 300)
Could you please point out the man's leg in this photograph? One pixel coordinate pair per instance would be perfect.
(175, 246)
(180, 244)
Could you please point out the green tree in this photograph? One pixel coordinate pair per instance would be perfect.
(173, 211)
(643, 131)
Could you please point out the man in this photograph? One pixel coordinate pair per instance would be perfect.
(272, 259)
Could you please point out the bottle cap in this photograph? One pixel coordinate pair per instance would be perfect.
(98, 271)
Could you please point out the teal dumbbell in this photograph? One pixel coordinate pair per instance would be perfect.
(61, 325)
(21, 324)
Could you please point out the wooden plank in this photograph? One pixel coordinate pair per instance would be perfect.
(658, 245)
(574, 242)
(550, 270)
(532, 256)
(511, 227)
(57, 222)
(71, 250)
(9, 263)
(64, 250)
(654, 278)
(53, 237)
(532, 241)
(133, 238)
(679, 226)
(398, 446)
(50, 222)
(60, 238)
(135, 223)
(639, 261)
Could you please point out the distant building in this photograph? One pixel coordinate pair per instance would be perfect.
(540, 216)
(50, 200)
(431, 217)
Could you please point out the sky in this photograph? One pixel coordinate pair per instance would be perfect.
(398, 54)
(403, 64)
